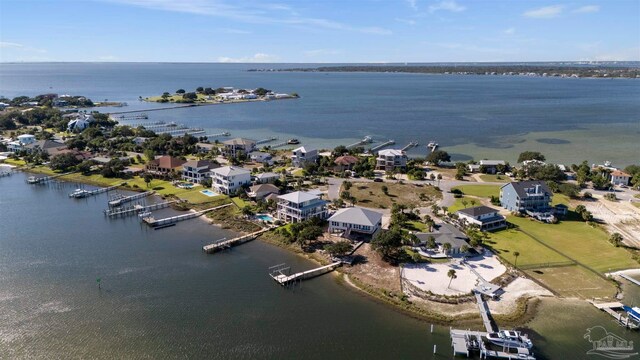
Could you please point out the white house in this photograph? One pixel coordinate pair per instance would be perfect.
(485, 217)
(24, 139)
(298, 206)
(261, 157)
(196, 171)
(238, 145)
(228, 179)
(267, 177)
(355, 219)
(302, 156)
(619, 177)
(81, 122)
(490, 166)
(390, 159)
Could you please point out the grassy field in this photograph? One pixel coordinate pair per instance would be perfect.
(239, 202)
(15, 162)
(416, 226)
(575, 281)
(506, 242)
(370, 194)
(495, 178)
(483, 191)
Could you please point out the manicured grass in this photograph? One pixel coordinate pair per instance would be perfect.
(483, 191)
(15, 162)
(239, 202)
(298, 173)
(576, 239)
(495, 178)
(416, 226)
(370, 194)
(507, 242)
(574, 281)
(458, 205)
(560, 199)
(196, 197)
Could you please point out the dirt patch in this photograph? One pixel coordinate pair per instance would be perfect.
(371, 194)
(620, 216)
(372, 270)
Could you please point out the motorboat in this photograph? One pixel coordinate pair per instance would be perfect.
(293, 141)
(510, 339)
(79, 193)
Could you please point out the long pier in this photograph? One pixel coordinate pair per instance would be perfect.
(366, 140)
(126, 199)
(136, 209)
(284, 143)
(226, 244)
(44, 179)
(283, 279)
(485, 314)
(141, 116)
(380, 146)
(174, 219)
(222, 134)
(88, 193)
(410, 145)
(264, 141)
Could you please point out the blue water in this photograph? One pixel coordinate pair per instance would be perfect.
(208, 192)
(337, 108)
(265, 218)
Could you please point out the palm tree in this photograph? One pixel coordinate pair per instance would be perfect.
(473, 202)
(452, 275)
(446, 247)
(464, 203)
(516, 254)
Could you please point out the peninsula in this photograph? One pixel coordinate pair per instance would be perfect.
(221, 95)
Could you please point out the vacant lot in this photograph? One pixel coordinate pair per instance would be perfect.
(575, 281)
(370, 194)
(495, 178)
(506, 242)
(482, 191)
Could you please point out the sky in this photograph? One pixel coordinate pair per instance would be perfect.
(319, 31)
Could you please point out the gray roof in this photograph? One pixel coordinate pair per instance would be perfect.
(521, 187)
(298, 197)
(240, 141)
(358, 216)
(446, 234)
(478, 210)
(264, 188)
(200, 163)
(231, 171)
(267, 175)
(492, 162)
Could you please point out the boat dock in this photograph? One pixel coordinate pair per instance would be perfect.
(44, 179)
(489, 325)
(410, 145)
(222, 134)
(432, 145)
(174, 219)
(468, 342)
(137, 209)
(88, 193)
(264, 141)
(226, 244)
(5, 173)
(628, 321)
(149, 124)
(119, 201)
(133, 116)
(630, 279)
(281, 273)
(284, 143)
(380, 146)
(366, 140)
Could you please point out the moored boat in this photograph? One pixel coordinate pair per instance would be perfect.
(510, 338)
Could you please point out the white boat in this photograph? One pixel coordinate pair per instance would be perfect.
(510, 339)
(79, 193)
(432, 145)
(144, 214)
(33, 180)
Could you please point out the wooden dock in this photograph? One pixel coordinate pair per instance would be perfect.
(366, 140)
(278, 273)
(137, 209)
(222, 134)
(268, 140)
(226, 244)
(126, 199)
(630, 279)
(89, 193)
(489, 325)
(380, 146)
(44, 179)
(410, 145)
(622, 320)
(174, 219)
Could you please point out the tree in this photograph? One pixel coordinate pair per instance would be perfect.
(347, 185)
(587, 216)
(180, 91)
(438, 156)
(446, 247)
(616, 239)
(464, 248)
(339, 248)
(199, 89)
(431, 243)
(516, 254)
(452, 275)
(385, 190)
(472, 202)
(63, 162)
(190, 96)
(464, 203)
(247, 211)
(147, 179)
(530, 155)
(387, 243)
(580, 209)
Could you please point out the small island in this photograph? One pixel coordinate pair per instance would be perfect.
(221, 95)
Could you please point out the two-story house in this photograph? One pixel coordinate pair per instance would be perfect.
(526, 196)
(619, 177)
(390, 159)
(196, 171)
(261, 157)
(164, 166)
(300, 205)
(355, 219)
(228, 179)
(302, 156)
(24, 139)
(233, 147)
(486, 218)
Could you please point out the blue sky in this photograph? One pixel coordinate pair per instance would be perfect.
(318, 30)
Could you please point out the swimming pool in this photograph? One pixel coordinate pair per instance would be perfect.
(208, 192)
(265, 217)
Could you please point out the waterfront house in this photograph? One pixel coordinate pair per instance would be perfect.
(196, 171)
(300, 205)
(81, 122)
(487, 166)
(139, 140)
(355, 219)
(486, 218)
(261, 157)
(303, 156)
(267, 177)
(261, 191)
(51, 147)
(391, 159)
(164, 166)
(204, 148)
(24, 139)
(233, 147)
(526, 197)
(343, 163)
(228, 179)
(619, 177)
(446, 234)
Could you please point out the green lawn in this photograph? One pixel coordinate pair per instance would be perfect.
(416, 226)
(575, 282)
(506, 242)
(239, 202)
(576, 239)
(458, 205)
(483, 191)
(495, 178)
(15, 162)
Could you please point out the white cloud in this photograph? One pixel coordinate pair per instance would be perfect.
(406, 21)
(4, 44)
(20, 47)
(545, 12)
(448, 5)
(412, 4)
(510, 31)
(257, 58)
(253, 13)
(587, 9)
